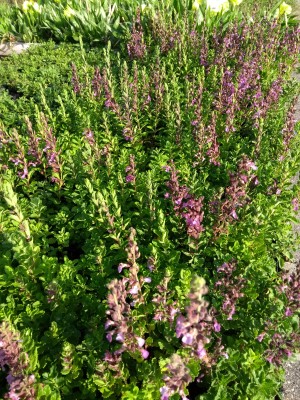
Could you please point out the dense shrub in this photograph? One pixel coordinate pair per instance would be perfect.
(43, 71)
(146, 216)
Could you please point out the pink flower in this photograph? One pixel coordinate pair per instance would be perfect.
(217, 326)
(108, 324)
(288, 353)
(13, 396)
(134, 290)
(295, 204)
(222, 268)
(251, 165)
(261, 336)
(130, 178)
(121, 266)
(187, 339)
(270, 359)
(109, 337)
(173, 312)
(164, 391)
(244, 178)
(201, 352)
(120, 337)
(234, 214)
(145, 353)
(140, 341)
(288, 312)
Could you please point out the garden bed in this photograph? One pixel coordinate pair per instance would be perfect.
(146, 211)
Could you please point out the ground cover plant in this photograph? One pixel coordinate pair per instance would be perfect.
(145, 214)
(42, 72)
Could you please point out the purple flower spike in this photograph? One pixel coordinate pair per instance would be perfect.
(185, 205)
(177, 379)
(136, 47)
(128, 138)
(230, 288)
(97, 83)
(15, 362)
(251, 165)
(164, 310)
(290, 288)
(235, 196)
(52, 154)
(173, 312)
(130, 168)
(197, 327)
(151, 264)
(281, 347)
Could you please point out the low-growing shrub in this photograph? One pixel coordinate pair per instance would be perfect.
(43, 71)
(146, 218)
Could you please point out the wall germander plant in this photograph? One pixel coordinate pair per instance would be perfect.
(146, 216)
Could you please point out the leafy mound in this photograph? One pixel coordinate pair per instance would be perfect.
(146, 216)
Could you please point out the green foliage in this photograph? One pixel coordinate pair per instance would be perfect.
(5, 22)
(97, 22)
(244, 375)
(69, 20)
(42, 72)
(95, 165)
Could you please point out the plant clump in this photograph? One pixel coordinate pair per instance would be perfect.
(146, 209)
